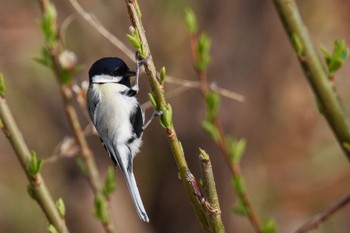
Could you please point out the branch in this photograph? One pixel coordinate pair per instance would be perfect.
(37, 184)
(318, 77)
(324, 215)
(166, 118)
(64, 77)
(214, 216)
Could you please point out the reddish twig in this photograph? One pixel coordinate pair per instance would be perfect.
(324, 215)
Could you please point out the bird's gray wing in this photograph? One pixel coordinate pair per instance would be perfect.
(93, 101)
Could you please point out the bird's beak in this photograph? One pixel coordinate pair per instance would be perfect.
(130, 73)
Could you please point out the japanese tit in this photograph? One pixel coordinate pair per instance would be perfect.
(118, 118)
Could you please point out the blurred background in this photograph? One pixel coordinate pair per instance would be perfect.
(293, 166)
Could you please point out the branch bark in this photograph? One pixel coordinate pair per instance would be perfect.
(158, 92)
(37, 185)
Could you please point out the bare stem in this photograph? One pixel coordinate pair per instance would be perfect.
(330, 104)
(324, 215)
(38, 186)
(214, 216)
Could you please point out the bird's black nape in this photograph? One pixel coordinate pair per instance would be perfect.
(112, 66)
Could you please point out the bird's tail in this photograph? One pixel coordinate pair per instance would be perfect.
(134, 192)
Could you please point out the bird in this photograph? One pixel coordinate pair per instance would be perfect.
(118, 118)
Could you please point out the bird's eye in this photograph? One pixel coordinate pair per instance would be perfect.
(119, 71)
(116, 72)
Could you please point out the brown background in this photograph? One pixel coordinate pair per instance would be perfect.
(293, 166)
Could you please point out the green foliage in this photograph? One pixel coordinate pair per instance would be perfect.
(153, 100)
(34, 166)
(346, 146)
(191, 21)
(238, 184)
(240, 208)
(335, 60)
(66, 77)
(202, 52)
(135, 41)
(48, 25)
(269, 226)
(51, 229)
(110, 184)
(101, 209)
(211, 129)
(162, 75)
(298, 46)
(166, 119)
(2, 85)
(204, 154)
(236, 148)
(45, 58)
(81, 166)
(61, 207)
(212, 100)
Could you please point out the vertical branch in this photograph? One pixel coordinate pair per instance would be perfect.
(159, 98)
(63, 77)
(36, 184)
(214, 216)
(315, 72)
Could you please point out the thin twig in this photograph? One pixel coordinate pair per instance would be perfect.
(324, 215)
(41, 193)
(102, 30)
(315, 72)
(72, 116)
(96, 24)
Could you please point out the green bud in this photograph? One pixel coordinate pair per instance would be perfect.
(298, 46)
(335, 60)
(269, 226)
(153, 100)
(236, 148)
(162, 75)
(134, 41)
(210, 128)
(202, 50)
(238, 184)
(52, 229)
(48, 25)
(213, 102)
(101, 209)
(190, 20)
(34, 166)
(240, 208)
(44, 58)
(346, 146)
(110, 184)
(2, 85)
(166, 118)
(61, 207)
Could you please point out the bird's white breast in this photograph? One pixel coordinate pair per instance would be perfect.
(113, 112)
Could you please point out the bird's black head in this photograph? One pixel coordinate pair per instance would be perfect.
(110, 70)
